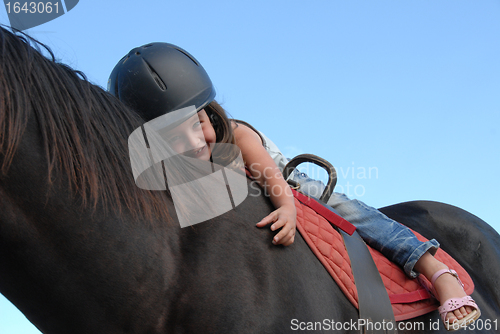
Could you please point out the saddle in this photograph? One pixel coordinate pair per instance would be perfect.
(408, 297)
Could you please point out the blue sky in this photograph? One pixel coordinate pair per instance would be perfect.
(401, 96)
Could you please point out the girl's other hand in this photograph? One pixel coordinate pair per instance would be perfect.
(285, 218)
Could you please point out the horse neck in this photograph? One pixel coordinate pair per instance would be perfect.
(79, 258)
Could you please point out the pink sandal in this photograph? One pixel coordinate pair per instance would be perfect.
(453, 304)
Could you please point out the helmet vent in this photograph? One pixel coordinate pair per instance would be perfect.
(189, 56)
(156, 77)
(158, 81)
(124, 59)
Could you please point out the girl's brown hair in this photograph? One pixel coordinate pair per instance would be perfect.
(224, 134)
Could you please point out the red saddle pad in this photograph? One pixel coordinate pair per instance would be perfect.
(408, 298)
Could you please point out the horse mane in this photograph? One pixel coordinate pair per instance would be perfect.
(83, 128)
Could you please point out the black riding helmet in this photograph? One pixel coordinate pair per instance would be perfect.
(158, 78)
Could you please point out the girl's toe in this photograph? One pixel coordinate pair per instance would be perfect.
(458, 313)
(451, 317)
(465, 311)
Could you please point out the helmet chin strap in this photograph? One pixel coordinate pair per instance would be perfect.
(213, 118)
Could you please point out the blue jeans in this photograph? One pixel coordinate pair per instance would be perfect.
(393, 240)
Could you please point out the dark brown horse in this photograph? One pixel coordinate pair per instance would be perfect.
(83, 250)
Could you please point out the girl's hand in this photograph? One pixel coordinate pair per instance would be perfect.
(285, 218)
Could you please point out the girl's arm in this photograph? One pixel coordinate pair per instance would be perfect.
(269, 177)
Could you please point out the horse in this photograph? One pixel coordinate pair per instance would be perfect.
(84, 250)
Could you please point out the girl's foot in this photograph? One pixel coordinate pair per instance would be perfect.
(447, 286)
(457, 309)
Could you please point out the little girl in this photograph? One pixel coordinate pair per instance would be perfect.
(159, 78)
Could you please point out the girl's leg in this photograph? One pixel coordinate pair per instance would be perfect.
(395, 241)
(446, 286)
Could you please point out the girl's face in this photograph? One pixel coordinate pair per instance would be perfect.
(193, 137)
